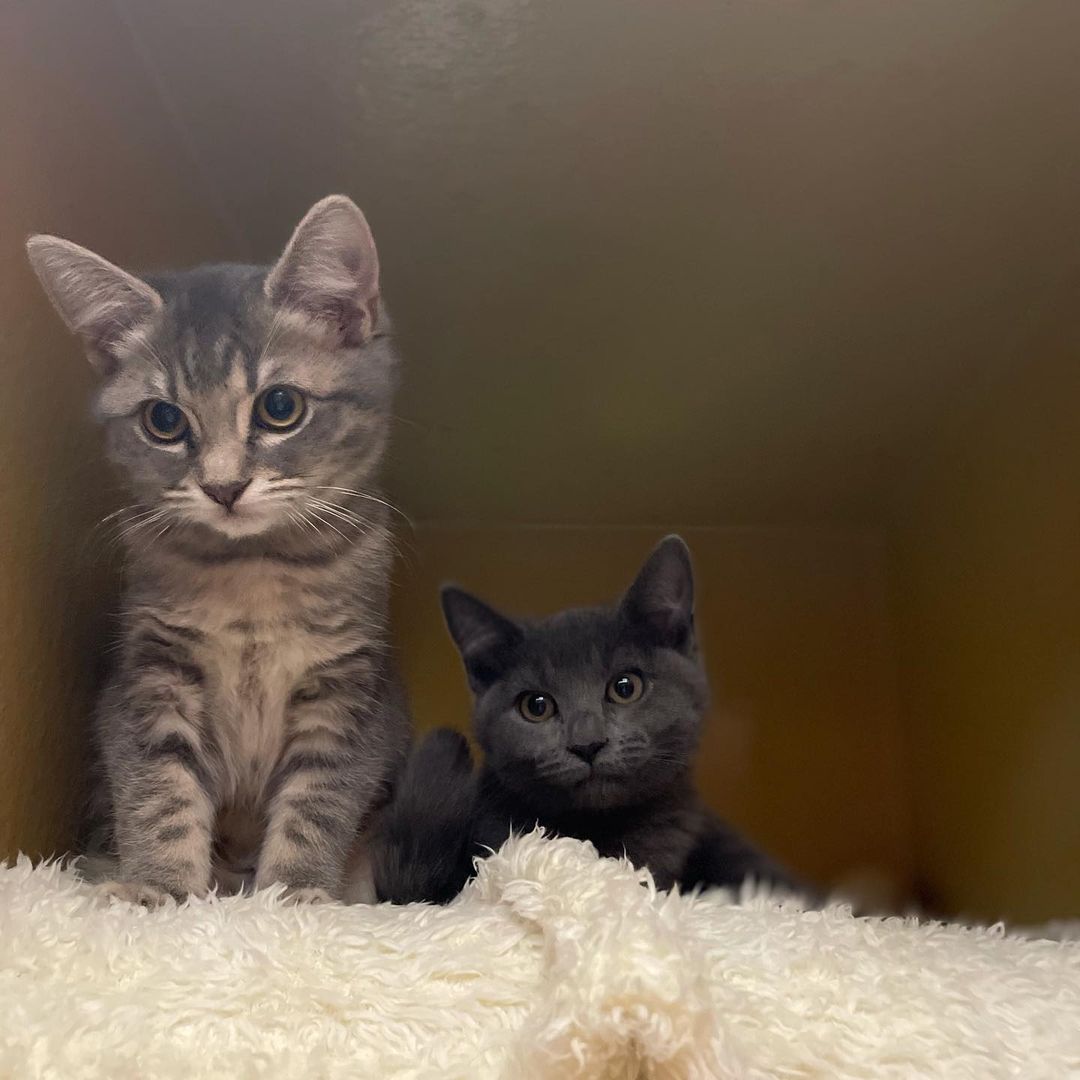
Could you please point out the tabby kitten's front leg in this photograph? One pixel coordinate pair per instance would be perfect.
(160, 780)
(323, 786)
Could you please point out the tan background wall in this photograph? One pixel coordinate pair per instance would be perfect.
(989, 593)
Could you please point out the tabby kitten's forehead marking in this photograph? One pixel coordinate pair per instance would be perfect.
(250, 410)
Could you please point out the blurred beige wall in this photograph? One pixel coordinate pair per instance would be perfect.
(803, 748)
(988, 592)
(85, 154)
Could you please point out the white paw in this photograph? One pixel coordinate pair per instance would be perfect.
(307, 895)
(148, 896)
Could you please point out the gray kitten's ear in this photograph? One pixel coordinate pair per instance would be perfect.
(98, 301)
(661, 599)
(330, 271)
(481, 634)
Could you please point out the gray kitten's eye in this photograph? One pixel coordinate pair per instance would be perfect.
(279, 408)
(537, 707)
(625, 688)
(163, 421)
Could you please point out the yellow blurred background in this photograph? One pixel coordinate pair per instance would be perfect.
(796, 281)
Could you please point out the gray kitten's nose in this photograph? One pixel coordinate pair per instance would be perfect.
(587, 751)
(226, 494)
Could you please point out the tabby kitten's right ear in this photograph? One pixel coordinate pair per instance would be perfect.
(481, 634)
(98, 301)
(329, 272)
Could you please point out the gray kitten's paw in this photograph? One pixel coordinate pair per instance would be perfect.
(147, 896)
(307, 895)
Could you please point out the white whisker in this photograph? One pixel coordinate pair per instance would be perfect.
(144, 522)
(365, 495)
(329, 525)
(339, 512)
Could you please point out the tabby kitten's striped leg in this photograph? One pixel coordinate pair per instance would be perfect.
(164, 813)
(321, 791)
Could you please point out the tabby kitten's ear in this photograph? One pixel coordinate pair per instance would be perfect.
(482, 635)
(330, 272)
(98, 301)
(661, 599)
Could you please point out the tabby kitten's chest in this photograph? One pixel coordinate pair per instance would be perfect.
(260, 632)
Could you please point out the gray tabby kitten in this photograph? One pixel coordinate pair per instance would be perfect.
(254, 721)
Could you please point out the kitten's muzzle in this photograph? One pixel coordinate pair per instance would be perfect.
(587, 751)
(226, 495)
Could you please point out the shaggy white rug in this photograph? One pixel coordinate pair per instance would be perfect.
(552, 964)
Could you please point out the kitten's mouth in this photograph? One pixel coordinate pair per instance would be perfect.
(237, 522)
(598, 774)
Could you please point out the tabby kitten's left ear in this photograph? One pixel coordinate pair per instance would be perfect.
(661, 599)
(330, 272)
(98, 301)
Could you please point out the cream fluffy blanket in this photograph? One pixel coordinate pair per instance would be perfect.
(552, 964)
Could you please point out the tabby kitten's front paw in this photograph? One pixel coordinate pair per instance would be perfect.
(307, 895)
(147, 896)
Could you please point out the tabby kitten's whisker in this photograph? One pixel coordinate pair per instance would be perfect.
(369, 497)
(329, 525)
(297, 518)
(339, 512)
(116, 513)
(111, 522)
(144, 522)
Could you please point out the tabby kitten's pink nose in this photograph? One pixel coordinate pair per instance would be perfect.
(226, 494)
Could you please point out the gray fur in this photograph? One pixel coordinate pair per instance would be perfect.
(254, 721)
(618, 774)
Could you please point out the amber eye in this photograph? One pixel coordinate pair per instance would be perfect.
(164, 421)
(625, 688)
(279, 408)
(537, 707)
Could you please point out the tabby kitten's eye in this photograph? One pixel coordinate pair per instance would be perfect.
(625, 688)
(536, 707)
(164, 421)
(279, 408)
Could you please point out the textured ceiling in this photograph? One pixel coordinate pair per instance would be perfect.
(656, 262)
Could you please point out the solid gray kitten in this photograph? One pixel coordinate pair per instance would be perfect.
(254, 721)
(589, 721)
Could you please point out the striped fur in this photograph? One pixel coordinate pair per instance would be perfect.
(254, 721)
